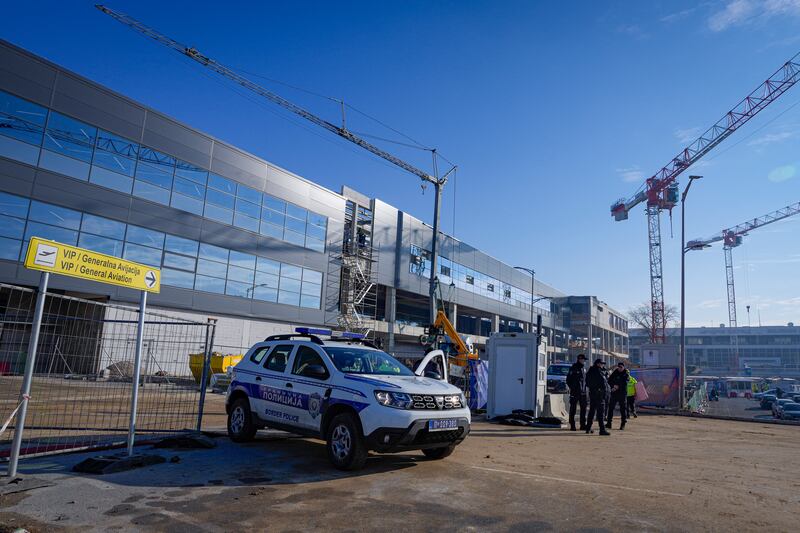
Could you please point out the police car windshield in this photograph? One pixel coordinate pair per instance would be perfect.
(355, 360)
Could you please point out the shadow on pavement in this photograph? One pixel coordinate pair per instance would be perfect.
(268, 460)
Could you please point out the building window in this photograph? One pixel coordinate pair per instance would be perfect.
(81, 151)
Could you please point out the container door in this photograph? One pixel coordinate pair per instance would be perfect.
(510, 381)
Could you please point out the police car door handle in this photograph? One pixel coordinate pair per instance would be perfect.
(521, 380)
(289, 386)
(258, 378)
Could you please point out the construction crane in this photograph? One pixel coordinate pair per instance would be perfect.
(192, 53)
(660, 191)
(731, 238)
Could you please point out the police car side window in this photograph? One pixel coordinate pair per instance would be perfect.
(278, 358)
(305, 358)
(259, 354)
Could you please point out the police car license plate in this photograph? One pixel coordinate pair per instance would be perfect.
(442, 424)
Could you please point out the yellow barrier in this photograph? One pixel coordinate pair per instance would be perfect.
(219, 363)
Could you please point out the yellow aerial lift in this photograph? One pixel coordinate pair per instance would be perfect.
(443, 327)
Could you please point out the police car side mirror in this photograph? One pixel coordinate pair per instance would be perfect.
(316, 372)
(433, 375)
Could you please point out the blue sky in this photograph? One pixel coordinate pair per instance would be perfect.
(551, 111)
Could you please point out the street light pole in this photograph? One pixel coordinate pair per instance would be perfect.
(533, 275)
(683, 291)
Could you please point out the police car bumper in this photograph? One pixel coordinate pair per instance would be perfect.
(417, 436)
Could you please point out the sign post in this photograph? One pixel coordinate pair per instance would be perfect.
(137, 371)
(52, 257)
(30, 361)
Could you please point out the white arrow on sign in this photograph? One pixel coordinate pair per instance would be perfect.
(150, 278)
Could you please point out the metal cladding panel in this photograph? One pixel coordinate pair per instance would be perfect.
(237, 165)
(80, 195)
(22, 74)
(8, 271)
(91, 103)
(494, 267)
(16, 178)
(162, 218)
(168, 136)
(386, 241)
(172, 297)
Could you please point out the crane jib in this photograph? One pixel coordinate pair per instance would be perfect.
(766, 93)
(194, 54)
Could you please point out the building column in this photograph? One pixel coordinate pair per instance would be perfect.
(454, 318)
(495, 323)
(391, 307)
(589, 356)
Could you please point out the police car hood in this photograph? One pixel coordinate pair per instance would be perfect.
(409, 384)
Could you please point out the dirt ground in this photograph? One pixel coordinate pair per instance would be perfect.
(663, 473)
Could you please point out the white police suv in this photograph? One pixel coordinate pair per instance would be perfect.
(346, 391)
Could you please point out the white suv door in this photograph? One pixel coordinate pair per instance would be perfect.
(273, 402)
(311, 379)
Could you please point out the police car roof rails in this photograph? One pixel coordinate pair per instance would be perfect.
(351, 339)
(290, 336)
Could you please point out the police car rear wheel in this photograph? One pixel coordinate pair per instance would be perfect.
(346, 449)
(240, 422)
(439, 453)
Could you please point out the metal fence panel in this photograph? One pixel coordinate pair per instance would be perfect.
(82, 382)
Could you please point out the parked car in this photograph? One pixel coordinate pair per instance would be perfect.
(791, 411)
(557, 378)
(349, 393)
(766, 401)
(759, 395)
(777, 405)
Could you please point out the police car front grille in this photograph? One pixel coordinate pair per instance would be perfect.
(436, 401)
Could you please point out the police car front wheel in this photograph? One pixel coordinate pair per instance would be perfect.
(346, 448)
(240, 421)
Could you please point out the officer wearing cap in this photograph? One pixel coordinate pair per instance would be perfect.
(576, 381)
(598, 388)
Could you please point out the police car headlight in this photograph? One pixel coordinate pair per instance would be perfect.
(398, 400)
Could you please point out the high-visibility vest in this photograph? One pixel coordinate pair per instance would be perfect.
(631, 386)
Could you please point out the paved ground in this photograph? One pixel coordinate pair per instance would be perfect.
(739, 407)
(662, 474)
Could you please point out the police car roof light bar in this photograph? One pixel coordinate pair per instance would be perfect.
(313, 331)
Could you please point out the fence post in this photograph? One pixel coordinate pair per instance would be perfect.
(137, 370)
(211, 328)
(30, 362)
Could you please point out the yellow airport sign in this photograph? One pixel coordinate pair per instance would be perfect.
(58, 258)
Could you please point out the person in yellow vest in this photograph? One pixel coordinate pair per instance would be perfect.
(632, 396)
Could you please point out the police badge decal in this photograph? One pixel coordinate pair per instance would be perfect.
(314, 402)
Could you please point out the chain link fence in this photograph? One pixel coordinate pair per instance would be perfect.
(82, 382)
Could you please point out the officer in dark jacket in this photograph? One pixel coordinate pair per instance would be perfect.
(576, 381)
(598, 389)
(619, 394)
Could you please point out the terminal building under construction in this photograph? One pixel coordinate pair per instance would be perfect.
(238, 238)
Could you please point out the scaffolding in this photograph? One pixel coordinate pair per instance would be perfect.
(354, 287)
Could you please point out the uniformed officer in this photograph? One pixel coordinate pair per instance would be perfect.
(619, 394)
(598, 388)
(576, 381)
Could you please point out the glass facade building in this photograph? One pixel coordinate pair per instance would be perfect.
(235, 236)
